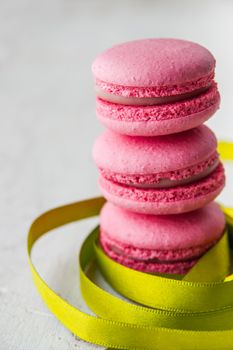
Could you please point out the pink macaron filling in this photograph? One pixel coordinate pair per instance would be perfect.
(161, 255)
(165, 179)
(154, 91)
(166, 111)
(147, 101)
(211, 183)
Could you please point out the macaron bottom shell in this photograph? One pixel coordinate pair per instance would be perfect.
(179, 199)
(160, 127)
(174, 267)
(162, 119)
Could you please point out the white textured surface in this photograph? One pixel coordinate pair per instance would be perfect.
(48, 127)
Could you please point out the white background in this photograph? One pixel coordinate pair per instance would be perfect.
(48, 125)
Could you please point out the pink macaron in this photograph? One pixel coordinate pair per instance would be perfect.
(155, 86)
(163, 244)
(160, 175)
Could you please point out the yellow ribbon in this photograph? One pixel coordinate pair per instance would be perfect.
(172, 312)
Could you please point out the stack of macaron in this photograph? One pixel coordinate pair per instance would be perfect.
(159, 166)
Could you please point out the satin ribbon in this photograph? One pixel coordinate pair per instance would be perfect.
(194, 311)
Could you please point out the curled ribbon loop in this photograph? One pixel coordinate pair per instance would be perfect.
(190, 312)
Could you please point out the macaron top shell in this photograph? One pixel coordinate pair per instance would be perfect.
(150, 155)
(181, 231)
(157, 63)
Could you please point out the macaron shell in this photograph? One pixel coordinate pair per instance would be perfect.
(158, 128)
(154, 63)
(158, 120)
(181, 267)
(158, 232)
(145, 155)
(175, 200)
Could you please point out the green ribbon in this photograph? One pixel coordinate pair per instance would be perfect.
(194, 311)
